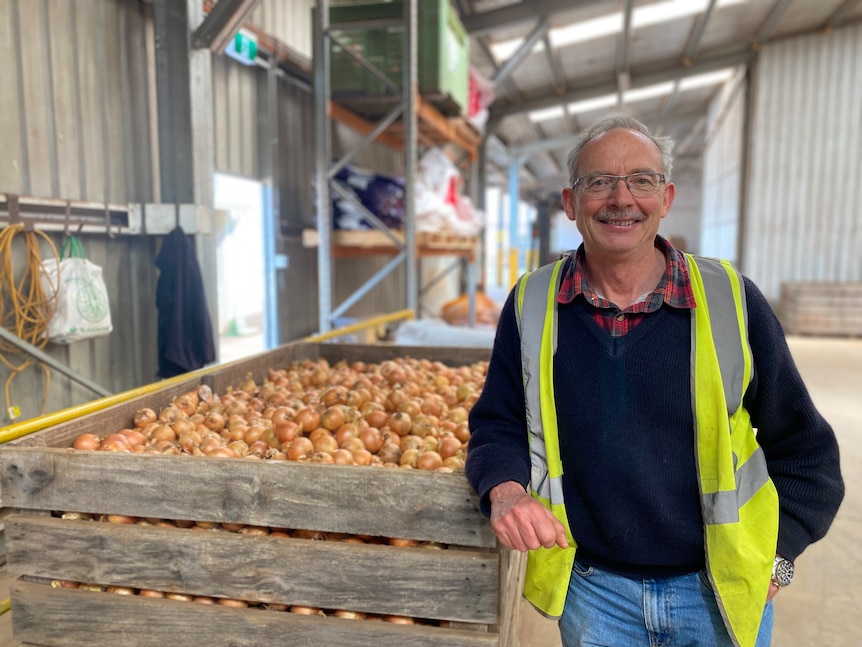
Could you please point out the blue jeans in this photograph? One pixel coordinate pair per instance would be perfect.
(607, 610)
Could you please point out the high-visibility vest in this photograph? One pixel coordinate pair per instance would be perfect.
(739, 502)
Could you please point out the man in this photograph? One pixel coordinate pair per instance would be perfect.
(643, 431)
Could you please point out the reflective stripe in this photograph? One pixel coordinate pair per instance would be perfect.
(725, 327)
(532, 308)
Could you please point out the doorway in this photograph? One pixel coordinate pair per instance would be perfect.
(241, 260)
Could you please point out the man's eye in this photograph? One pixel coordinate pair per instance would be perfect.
(598, 182)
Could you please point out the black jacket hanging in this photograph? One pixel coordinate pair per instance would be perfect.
(185, 335)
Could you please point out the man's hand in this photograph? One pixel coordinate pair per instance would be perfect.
(773, 589)
(522, 523)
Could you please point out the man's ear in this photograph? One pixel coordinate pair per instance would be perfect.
(569, 203)
(667, 199)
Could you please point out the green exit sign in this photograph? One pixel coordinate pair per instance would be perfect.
(242, 47)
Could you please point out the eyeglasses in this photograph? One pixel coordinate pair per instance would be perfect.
(640, 185)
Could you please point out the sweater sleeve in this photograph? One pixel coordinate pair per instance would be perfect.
(498, 449)
(800, 446)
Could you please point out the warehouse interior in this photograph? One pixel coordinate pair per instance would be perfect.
(383, 172)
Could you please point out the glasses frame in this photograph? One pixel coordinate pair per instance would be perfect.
(617, 178)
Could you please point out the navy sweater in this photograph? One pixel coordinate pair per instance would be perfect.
(627, 441)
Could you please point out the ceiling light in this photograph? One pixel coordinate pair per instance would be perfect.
(610, 24)
(635, 95)
(705, 80)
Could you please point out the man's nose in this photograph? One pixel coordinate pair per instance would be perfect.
(620, 192)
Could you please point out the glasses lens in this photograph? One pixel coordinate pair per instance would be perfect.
(639, 184)
(643, 183)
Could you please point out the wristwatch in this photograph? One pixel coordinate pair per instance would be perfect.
(782, 571)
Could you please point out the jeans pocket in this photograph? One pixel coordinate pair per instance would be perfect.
(582, 569)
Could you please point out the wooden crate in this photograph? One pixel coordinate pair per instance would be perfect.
(822, 308)
(472, 584)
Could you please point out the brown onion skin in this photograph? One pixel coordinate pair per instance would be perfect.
(87, 441)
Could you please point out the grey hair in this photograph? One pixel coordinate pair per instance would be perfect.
(664, 144)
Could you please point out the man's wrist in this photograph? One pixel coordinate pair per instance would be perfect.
(782, 571)
(504, 488)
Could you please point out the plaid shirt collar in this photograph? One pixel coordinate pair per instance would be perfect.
(674, 288)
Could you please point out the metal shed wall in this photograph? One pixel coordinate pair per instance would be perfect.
(801, 216)
(722, 170)
(287, 20)
(75, 122)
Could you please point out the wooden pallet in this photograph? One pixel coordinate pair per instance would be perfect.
(372, 241)
(470, 591)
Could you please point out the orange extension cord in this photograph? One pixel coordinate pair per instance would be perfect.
(25, 309)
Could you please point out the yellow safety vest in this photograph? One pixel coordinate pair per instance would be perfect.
(739, 502)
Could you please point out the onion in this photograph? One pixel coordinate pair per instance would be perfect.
(390, 453)
(287, 431)
(362, 457)
(143, 417)
(401, 423)
(409, 458)
(87, 441)
(135, 437)
(449, 447)
(342, 457)
(308, 419)
(411, 442)
(324, 443)
(305, 611)
(428, 461)
(372, 439)
(299, 448)
(150, 593)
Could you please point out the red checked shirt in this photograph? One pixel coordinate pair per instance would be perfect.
(674, 289)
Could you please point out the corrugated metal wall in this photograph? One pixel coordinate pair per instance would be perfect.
(722, 169)
(74, 105)
(75, 124)
(801, 218)
(287, 20)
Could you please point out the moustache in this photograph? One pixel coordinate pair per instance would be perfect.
(619, 215)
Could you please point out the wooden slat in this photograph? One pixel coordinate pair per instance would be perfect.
(90, 618)
(418, 582)
(415, 504)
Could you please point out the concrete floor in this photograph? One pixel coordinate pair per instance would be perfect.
(820, 608)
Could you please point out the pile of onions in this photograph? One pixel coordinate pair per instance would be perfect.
(404, 412)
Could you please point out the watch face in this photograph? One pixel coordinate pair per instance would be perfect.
(783, 572)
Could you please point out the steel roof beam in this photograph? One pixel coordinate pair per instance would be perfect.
(221, 23)
(563, 141)
(771, 22)
(651, 77)
(840, 15)
(697, 34)
(519, 12)
(539, 31)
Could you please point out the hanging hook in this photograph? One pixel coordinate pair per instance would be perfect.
(66, 231)
(177, 214)
(108, 222)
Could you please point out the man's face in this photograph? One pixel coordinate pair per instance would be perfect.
(618, 225)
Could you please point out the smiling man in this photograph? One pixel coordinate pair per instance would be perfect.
(615, 435)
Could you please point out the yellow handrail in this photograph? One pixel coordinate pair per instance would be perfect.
(362, 325)
(17, 430)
